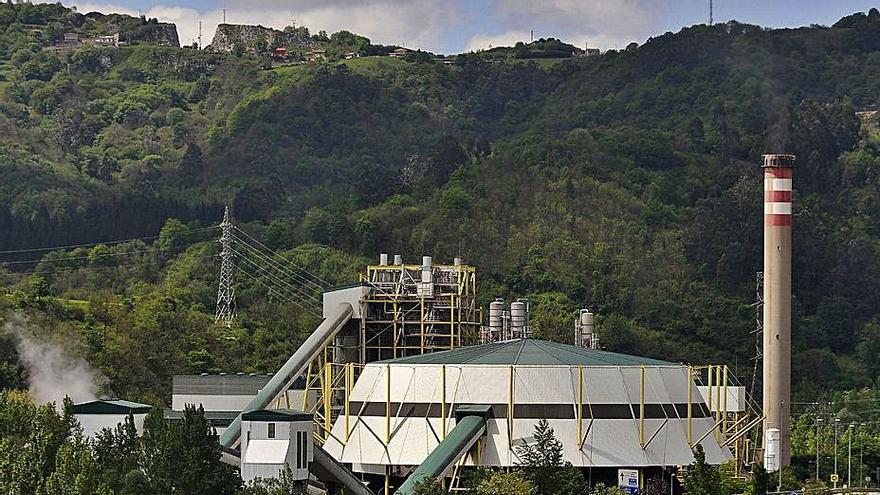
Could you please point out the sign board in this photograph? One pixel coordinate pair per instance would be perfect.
(628, 480)
(835, 478)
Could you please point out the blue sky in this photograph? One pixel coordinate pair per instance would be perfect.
(452, 26)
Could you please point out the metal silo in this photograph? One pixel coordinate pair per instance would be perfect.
(496, 320)
(584, 335)
(519, 322)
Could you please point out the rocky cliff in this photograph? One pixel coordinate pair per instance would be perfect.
(249, 38)
(133, 29)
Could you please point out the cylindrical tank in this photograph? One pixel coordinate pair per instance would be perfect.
(771, 453)
(398, 259)
(496, 319)
(585, 337)
(518, 319)
(777, 301)
(456, 261)
(427, 286)
(383, 259)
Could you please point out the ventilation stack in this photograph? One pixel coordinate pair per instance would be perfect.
(777, 309)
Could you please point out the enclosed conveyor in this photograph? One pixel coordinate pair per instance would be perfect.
(329, 470)
(292, 369)
(469, 427)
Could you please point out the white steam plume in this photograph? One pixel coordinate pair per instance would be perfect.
(53, 373)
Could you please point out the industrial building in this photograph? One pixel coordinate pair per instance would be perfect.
(609, 410)
(404, 381)
(276, 440)
(224, 396)
(97, 415)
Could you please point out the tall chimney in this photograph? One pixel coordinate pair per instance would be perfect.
(777, 308)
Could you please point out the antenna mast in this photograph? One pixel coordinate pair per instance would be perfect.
(226, 290)
(200, 47)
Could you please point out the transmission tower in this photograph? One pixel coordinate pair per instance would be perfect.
(226, 290)
(759, 328)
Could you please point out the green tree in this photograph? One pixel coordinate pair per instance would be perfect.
(498, 483)
(184, 456)
(702, 478)
(284, 484)
(760, 482)
(118, 451)
(429, 486)
(543, 464)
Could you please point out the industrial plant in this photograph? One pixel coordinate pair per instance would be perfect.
(406, 378)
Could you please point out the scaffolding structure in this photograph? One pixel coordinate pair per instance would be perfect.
(405, 310)
(735, 427)
(415, 309)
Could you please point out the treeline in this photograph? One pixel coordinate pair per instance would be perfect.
(45, 452)
(627, 183)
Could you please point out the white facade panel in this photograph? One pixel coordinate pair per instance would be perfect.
(606, 442)
(736, 397)
(92, 424)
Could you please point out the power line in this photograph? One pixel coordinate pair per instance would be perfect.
(320, 280)
(284, 284)
(58, 260)
(285, 297)
(287, 271)
(90, 244)
(84, 268)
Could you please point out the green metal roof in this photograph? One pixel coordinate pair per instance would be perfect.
(530, 352)
(112, 406)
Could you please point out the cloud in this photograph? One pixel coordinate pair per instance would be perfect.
(415, 23)
(436, 25)
(599, 23)
(486, 41)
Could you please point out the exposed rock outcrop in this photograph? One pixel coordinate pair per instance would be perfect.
(249, 38)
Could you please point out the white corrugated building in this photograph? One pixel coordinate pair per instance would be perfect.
(274, 440)
(534, 379)
(223, 397)
(96, 415)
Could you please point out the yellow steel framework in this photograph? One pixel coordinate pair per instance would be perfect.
(408, 313)
(405, 312)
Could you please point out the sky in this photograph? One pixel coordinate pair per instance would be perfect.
(455, 26)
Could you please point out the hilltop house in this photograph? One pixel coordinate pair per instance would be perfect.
(399, 52)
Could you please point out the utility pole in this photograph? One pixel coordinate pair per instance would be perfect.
(849, 431)
(711, 12)
(200, 35)
(861, 454)
(836, 422)
(818, 425)
(224, 16)
(226, 290)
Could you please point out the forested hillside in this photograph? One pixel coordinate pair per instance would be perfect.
(627, 183)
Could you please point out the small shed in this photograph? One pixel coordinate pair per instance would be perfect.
(274, 440)
(96, 415)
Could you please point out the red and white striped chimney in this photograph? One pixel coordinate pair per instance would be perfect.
(777, 306)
